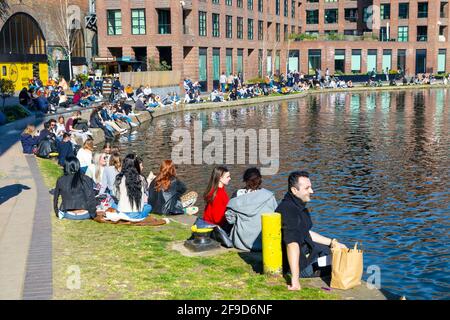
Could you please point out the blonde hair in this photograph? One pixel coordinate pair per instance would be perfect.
(98, 167)
(29, 129)
(89, 144)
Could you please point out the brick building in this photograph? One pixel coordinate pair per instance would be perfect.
(30, 44)
(203, 38)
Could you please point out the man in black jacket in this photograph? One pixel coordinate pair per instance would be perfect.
(301, 246)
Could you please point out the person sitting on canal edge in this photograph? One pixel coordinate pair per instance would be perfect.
(301, 246)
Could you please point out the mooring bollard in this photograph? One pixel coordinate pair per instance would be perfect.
(271, 243)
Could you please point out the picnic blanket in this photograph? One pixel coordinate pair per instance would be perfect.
(149, 221)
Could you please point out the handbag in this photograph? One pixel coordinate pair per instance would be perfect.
(221, 236)
(347, 268)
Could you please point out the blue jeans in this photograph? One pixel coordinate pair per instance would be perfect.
(68, 215)
(223, 87)
(140, 215)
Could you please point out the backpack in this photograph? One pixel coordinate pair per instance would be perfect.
(47, 147)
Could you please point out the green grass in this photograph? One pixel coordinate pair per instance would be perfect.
(124, 262)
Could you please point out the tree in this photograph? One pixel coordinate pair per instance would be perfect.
(6, 90)
(67, 26)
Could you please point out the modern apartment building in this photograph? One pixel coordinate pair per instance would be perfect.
(203, 38)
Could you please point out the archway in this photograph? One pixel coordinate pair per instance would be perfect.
(21, 34)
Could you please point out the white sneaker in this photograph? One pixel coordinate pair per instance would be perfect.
(133, 124)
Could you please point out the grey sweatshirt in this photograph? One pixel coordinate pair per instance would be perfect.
(244, 213)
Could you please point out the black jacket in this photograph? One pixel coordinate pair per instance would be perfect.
(296, 224)
(167, 202)
(83, 197)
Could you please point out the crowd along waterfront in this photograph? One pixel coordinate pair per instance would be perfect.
(379, 165)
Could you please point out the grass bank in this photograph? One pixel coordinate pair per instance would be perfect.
(124, 262)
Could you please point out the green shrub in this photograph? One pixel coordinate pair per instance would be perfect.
(83, 78)
(16, 112)
(6, 89)
(255, 80)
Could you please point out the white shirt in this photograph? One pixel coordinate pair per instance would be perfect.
(124, 204)
(147, 91)
(223, 79)
(85, 157)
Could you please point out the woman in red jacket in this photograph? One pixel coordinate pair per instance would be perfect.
(216, 197)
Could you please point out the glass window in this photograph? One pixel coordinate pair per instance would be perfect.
(260, 30)
(277, 32)
(339, 60)
(239, 3)
(351, 15)
(240, 61)
(229, 61)
(356, 60)
(385, 11)
(421, 61)
(403, 10)
(372, 60)
(312, 16)
(277, 7)
(216, 1)
(229, 2)
(250, 29)
(216, 63)
(250, 5)
(202, 23)
(441, 60)
(260, 5)
(240, 27)
(229, 26)
(269, 62)
(422, 33)
(422, 9)
(403, 34)
(331, 15)
(286, 8)
(202, 65)
(215, 25)
(114, 22)
(401, 59)
(285, 32)
(387, 59)
(138, 21)
(314, 60)
(164, 22)
(293, 4)
(294, 56)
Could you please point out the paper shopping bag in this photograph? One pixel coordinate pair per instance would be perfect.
(347, 268)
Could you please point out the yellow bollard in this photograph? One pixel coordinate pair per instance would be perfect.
(271, 243)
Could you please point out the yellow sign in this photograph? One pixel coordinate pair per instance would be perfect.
(21, 73)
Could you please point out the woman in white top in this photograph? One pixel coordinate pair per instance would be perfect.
(84, 155)
(60, 127)
(96, 169)
(110, 173)
(130, 189)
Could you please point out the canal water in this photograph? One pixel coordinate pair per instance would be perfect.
(379, 165)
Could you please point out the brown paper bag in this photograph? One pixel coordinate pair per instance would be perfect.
(347, 268)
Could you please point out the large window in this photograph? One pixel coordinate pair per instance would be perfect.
(240, 28)
(269, 62)
(403, 10)
(401, 59)
(215, 25)
(202, 23)
(312, 16)
(277, 62)
(351, 15)
(372, 60)
(331, 15)
(240, 61)
(387, 59)
(114, 22)
(293, 62)
(216, 64)
(277, 32)
(422, 33)
(229, 26)
(164, 22)
(260, 5)
(314, 60)
(202, 65)
(277, 7)
(286, 32)
(402, 34)
(138, 21)
(441, 60)
(286, 8)
(339, 60)
(229, 61)
(239, 3)
(250, 29)
(260, 30)
(229, 2)
(385, 11)
(356, 60)
(384, 36)
(422, 10)
(250, 5)
(421, 61)
(293, 4)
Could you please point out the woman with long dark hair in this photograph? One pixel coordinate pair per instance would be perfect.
(130, 190)
(216, 197)
(244, 211)
(77, 193)
(166, 192)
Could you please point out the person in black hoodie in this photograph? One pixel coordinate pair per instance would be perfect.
(298, 238)
(65, 149)
(77, 193)
(166, 191)
(95, 121)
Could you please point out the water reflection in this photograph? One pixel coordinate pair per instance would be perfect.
(379, 165)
